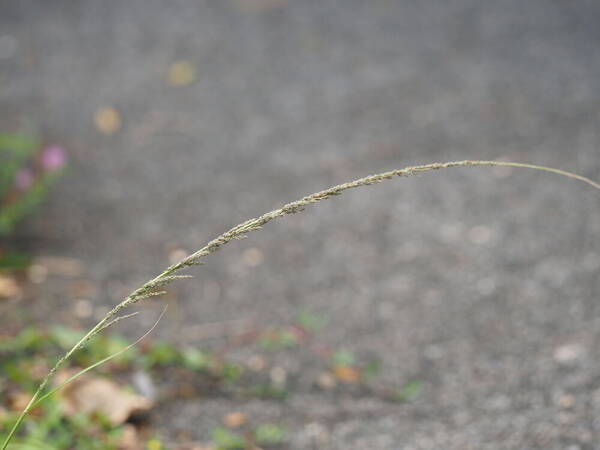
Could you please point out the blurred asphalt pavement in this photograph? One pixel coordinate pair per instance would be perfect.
(483, 284)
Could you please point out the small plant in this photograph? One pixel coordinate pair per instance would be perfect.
(343, 357)
(27, 170)
(311, 322)
(277, 339)
(228, 440)
(269, 390)
(269, 434)
(24, 356)
(409, 391)
(265, 435)
(153, 287)
(53, 430)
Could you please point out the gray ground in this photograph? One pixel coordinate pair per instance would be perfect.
(482, 284)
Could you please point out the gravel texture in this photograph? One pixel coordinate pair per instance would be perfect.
(480, 283)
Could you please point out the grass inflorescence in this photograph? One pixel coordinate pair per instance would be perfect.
(172, 273)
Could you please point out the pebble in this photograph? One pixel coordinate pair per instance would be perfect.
(317, 433)
(568, 353)
(181, 73)
(480, 234)
(566, 401)
(9, 287)
(252, 257)
(234, 419)
(83, 308)
(107, 120)
(326, 381)
(37, 273)
(257, 363)
(278, 376)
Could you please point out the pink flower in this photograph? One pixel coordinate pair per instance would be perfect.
(53, 158)
(24, 179)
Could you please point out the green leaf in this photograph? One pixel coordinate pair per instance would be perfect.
(28, 444)
(372, 369)
(231, 372)
(17, 143)
(11, 213)
(226, 440)
(269, 434)
(409, 391)
(65, 338)
(162, 354)
(343, 358)
(11, 260)
(277, 340)
(312, 322)
(30, 339)
(269, 391)
(195, 359)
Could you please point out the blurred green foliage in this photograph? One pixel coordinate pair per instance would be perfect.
(23, 348)
(27, 170)
(343, 357)
(409, 391)
(24, 359)
(48, 428)
(265, 435)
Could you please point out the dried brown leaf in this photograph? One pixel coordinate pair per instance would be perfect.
(92, 394)
(9, 287)
(347, 374)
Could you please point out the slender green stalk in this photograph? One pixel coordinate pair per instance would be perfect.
(102, 361)
(149, 289)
